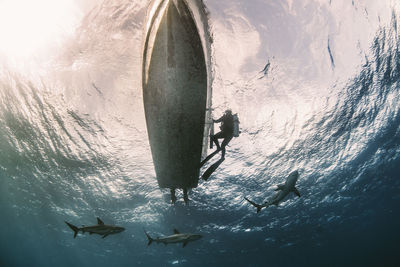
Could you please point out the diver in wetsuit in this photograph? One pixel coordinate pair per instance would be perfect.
(226, 131)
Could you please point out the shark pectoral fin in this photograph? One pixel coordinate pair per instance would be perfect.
(100, 222)
(280, 187)
(104, 236)
(296, 191)
(184, 244)
(176, 231)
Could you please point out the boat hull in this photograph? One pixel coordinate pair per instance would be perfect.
(175, 95)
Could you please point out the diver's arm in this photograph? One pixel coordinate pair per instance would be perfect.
(218, 120)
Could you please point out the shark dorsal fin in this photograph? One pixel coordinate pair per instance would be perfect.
(99, 222)
(176, 231)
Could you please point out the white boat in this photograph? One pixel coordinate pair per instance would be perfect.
(177, 89)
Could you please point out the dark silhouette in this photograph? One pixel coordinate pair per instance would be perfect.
(227, 133)
(101, 229)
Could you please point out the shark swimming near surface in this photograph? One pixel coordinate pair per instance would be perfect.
(177, 237)
(284, 190)
(100, 229)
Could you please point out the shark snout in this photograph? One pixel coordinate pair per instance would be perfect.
(295, 175)
(119, 229)
(292, 178)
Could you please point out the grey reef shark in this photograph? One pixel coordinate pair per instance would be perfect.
(284, 190)
(100, 229)
(175, 238)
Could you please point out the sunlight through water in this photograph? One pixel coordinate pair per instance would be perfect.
(28, 29)
(316, 86)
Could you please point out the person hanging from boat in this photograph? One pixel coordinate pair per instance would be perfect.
(226, 132)
(229, 129)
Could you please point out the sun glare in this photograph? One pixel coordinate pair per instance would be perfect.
(29, 28)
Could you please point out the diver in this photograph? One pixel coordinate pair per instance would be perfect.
(226, 132)
(229, 129)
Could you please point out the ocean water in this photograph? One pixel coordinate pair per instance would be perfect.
(74, 146)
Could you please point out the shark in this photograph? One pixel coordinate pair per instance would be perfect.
(177, 237)
(101, 229)
(284, 190)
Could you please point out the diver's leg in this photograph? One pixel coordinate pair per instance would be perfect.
(224, 144)
(223, 153)
(185, 196)
(215, 138)
(173, 197)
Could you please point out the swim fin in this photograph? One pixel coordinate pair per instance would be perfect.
(211, 169)
(209, 157)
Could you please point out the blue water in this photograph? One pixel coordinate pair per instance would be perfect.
(73, 147)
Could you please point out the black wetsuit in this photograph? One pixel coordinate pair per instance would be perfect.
(226, 132)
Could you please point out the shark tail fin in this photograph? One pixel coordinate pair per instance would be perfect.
(74, 228)
(149, 238)
(258, 206)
